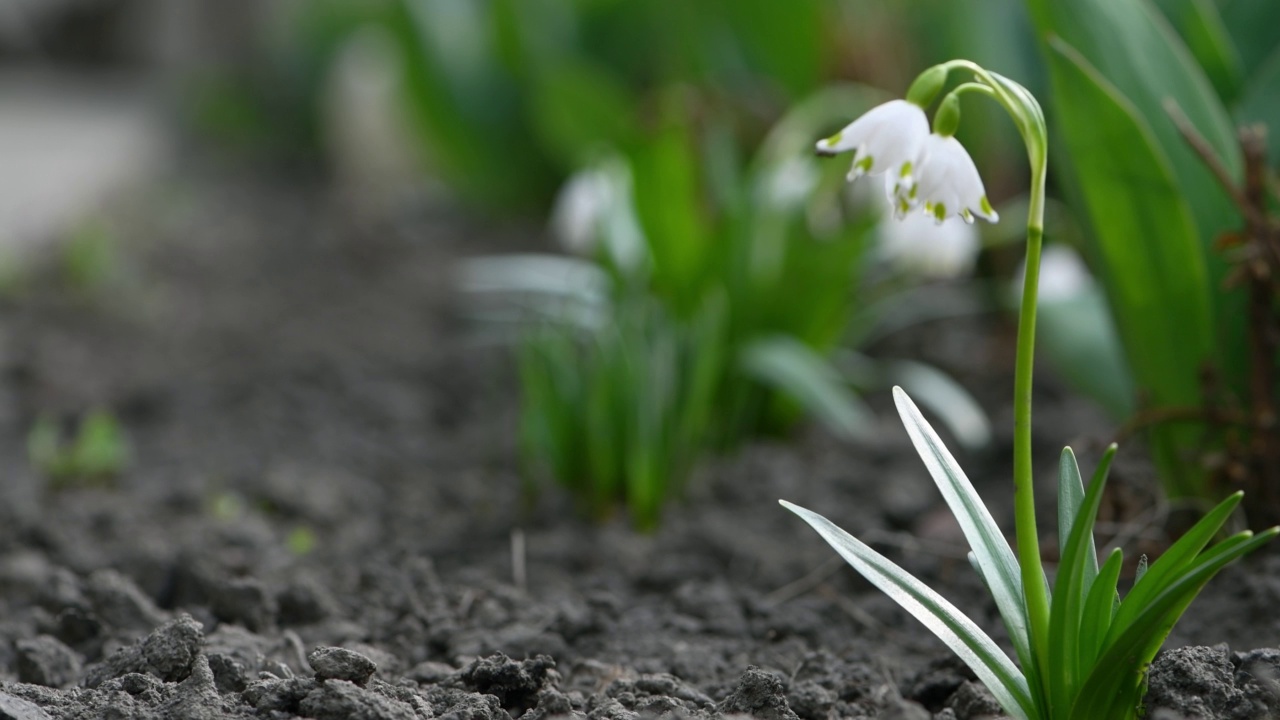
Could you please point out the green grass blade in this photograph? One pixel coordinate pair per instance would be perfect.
(957, 631)
(1173, 562)
(1070, 498)
(1099, 609)
(1116, 681)
(994, 556)
(1076, 573)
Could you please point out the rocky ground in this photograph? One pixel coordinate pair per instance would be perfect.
(323, 514)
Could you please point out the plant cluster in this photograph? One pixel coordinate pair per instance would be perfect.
(1082, 652)
(678, 332)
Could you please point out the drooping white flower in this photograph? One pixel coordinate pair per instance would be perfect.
(594, 208)
(886, 139)
(947, 184)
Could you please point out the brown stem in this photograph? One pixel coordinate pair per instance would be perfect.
(1211, 160)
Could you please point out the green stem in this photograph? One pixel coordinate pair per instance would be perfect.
(1029, 118)
(1024, 501)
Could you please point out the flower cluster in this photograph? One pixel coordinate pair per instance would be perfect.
(922, 170)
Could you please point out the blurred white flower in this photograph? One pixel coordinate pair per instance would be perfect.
(948, 184)
(887, 138)
(1063, 275)
(787, 184)
(594, 209)
(918, 245)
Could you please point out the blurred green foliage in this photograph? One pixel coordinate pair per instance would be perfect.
(732, 259)
(719, 327)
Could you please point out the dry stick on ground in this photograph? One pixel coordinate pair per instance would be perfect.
(1255, 251)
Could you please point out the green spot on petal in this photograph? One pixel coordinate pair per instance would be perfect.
(833, 139)
(940, 211)
(906, 169)
(864, 164)
(985, 205)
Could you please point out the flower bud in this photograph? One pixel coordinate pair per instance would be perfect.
(947, 120)
(927, 86)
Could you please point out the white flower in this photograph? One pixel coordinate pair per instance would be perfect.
(918, 246)
(948, 184)
(887, 138)
(788, 184)
(594, 207)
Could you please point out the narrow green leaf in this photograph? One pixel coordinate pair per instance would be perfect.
(1076, 573)
(1201, 27)
(999, 565)
(577, 107)
(1099, 609)
(1252, 25)
(1173, 562)
(792, 367)
(948, 399)
(1116, 680)
(1135, 51)
(1260, 101)
(957, 631)
(1070, 499)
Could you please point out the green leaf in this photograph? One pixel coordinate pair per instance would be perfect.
(999, 566)
(1201, 27)
(468, 109)
(1147, 240)
(1252, 25)
(1100, 608)
(668, 201)
(1174, 562)
(1260, 102)
(779, 39)
(1076, 572)
(1140, 55)
(1117, 679)
(1070, 499)
(952, 627)
(792, 367)
(946, 398)
(578, 108)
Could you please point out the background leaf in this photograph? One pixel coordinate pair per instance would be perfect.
(1147, 240)
(790, 366)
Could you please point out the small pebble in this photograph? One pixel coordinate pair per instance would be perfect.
(335, 663)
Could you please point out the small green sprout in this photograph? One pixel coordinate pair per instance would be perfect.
(1082, 652)
(97, 454)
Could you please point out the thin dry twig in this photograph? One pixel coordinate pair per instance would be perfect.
(1211, 160)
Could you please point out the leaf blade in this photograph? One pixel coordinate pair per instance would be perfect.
(999, 566)
(965, 638)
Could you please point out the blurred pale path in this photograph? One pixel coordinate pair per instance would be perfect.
(67, 145)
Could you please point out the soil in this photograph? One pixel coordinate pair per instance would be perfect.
(323, 515)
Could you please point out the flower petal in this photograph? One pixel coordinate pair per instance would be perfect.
(884, 138)
(949, 183)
